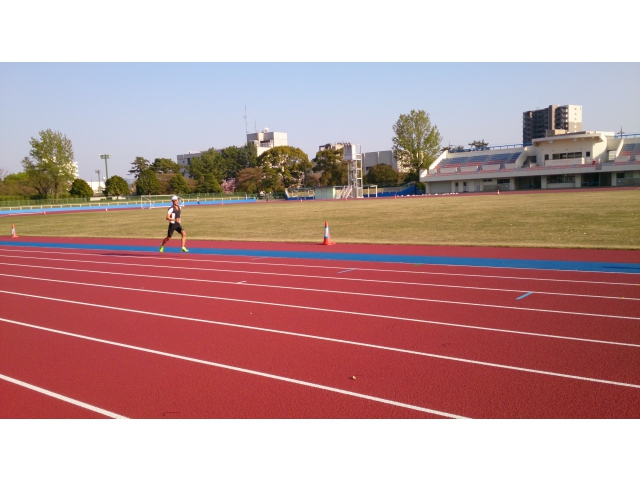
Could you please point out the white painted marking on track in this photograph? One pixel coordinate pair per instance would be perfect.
(347, 312)
(179, 259)
(64, 398)
(317, 290)
(242, 370)
(350, 342)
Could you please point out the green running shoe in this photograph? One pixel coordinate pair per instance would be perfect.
(161, 248)
(184, 249)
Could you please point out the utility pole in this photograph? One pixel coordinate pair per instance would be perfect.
(98, 172)
(106, 157)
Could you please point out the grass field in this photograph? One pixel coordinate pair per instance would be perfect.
(595, 219)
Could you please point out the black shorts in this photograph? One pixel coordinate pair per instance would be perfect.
(174, 227)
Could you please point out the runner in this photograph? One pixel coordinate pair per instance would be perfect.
(173, 217)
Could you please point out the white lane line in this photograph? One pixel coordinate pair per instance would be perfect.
(313, 290)
(347, 342)
(318, 277)
(242, 370)
(389, 317)
(177, 259)
(337, 340)
(364, 314)
(64, 398)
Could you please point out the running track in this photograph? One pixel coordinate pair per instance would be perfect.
(111, 329)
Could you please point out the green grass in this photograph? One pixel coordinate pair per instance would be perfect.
(594, 219)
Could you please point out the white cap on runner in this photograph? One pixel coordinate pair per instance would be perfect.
(175, 197)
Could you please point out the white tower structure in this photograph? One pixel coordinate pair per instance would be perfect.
(353, 156)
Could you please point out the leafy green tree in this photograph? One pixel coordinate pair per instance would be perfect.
(230, 162)
(208, 184)
(148, 183)
(179, 185)
(209, 163)
(165, 165)
(248, 156)
(235, 159)
(80, 189)
(416, 143)
(17, 184)
(139, 165)
(115, 186)
(382, 174)
(332, 166)
(287, 164)
(50, 168)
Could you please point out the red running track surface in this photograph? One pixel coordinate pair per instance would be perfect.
(94, 334)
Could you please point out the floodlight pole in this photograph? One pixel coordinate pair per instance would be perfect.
(106, 157)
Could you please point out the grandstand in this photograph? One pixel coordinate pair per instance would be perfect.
(565, 160)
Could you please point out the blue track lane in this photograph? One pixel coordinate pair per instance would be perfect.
(609, 267)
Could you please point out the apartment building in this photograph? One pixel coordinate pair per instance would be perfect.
(558, 119)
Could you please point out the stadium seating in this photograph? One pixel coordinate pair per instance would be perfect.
(630, 152)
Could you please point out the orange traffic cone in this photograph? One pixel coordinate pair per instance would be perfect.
(327, 237)
(13, 231)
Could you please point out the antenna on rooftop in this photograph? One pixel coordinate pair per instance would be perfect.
(621, 132)
(246, 121)
(255, 126)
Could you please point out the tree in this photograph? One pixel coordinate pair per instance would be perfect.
(116, 186)
(179, 185)
(229, 185)
(165, 165)
(230, 162)
(51, 167)
(250, 180)
(139, 165)
(248, 156)
(382, 174)
(209, 163)
(453, 148)
(235, 159)
(286, 164)
(148, 183)
(17, 184)
(80, 189)
(208, 184)
(333, 167)
(479, 145)
(416, 143)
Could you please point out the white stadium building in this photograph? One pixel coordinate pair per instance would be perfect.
(559, 160)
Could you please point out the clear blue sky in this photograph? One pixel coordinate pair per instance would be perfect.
(165, 109)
